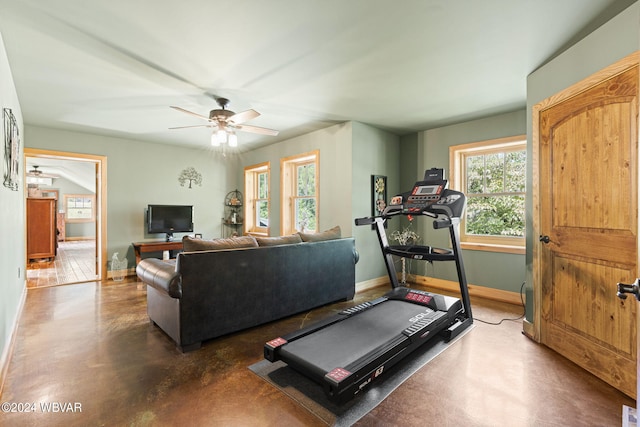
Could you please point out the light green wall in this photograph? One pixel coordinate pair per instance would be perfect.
(349, 154)
(12, 224)
(611, 42)
(140, 173)
(409, 172)
(375, 152)
(490, 269)
(334, 144)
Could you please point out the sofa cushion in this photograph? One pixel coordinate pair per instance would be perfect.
(331, 234)
(281, 240)
(190, 244)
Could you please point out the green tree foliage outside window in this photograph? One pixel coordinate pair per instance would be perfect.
(262, 202)
(495, 188)
(305, 201)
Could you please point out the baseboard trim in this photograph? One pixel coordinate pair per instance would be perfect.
(372, 283)
(449, 286)
(78, 238)
(474, 290)
(8, 349)
(131, 271)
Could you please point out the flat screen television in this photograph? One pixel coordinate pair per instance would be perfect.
(169, 219)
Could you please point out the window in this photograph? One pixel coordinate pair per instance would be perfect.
(256, 190)
(492, 174)
(80, 207)
(299, 189)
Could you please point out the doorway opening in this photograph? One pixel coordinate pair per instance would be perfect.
(75, 184)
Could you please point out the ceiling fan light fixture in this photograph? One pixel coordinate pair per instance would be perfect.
(233, 139)
(214, 139)
(221, 135)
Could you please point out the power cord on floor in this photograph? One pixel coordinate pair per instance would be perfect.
(508, 319)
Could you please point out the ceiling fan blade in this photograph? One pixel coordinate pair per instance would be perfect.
(256, 129)
(200, 116)
(211, 125)
(42, 175)
(37, 173)
(243, 116)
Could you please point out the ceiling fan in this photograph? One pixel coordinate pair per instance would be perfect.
(225, 123)
(37, 173)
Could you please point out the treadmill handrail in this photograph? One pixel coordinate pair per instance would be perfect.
(389, 212)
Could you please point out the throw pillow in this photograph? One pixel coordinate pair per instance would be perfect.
(331, 234)
(275, 241)
(190, 244)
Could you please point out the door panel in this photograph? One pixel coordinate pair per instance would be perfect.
(577, 303)
(588, 208)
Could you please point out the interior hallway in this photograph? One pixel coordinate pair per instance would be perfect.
(94, 345)
(75, 262)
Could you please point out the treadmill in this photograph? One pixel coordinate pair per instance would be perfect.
(348, 351)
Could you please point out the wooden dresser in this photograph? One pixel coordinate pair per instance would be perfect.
(42, 239)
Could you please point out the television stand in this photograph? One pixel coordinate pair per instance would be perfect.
(155, 246)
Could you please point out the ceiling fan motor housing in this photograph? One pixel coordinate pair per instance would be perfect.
(220, 115)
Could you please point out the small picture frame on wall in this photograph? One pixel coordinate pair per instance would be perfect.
(378, 195)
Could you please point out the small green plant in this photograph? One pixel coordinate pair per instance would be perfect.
(405, 237)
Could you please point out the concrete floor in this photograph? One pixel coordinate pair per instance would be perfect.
(91, 347)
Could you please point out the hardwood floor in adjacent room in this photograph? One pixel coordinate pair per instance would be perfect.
(93, 345)
(75, 262)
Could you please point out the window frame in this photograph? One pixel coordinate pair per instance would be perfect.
(84, 213)
(457, 155)
(288, 189)
(251, 190)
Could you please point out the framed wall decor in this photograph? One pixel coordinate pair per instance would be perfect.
(378, 195)
(11, 150)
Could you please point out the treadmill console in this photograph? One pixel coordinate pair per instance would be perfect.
(429, 196)
(426, 192)
(423, 194)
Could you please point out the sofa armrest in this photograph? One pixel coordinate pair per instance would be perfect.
(160, 275)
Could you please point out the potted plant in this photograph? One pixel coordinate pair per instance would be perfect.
(406, 237)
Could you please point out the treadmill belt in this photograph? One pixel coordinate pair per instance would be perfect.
(355, 337)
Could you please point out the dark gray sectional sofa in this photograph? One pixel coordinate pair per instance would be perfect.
(209, 293)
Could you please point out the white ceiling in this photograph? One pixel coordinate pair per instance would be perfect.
(82, 173)
(114, 67)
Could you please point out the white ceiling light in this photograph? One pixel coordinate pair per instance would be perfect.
(214, 139)
(233, 139)
(223, 136)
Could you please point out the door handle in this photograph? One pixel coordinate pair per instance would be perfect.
(624, 289)
(544, 239)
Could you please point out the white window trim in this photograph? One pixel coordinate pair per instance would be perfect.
(515, 245)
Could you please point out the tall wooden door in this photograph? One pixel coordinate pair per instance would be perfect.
(588, 222)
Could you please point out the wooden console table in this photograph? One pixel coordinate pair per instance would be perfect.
(157, 246)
